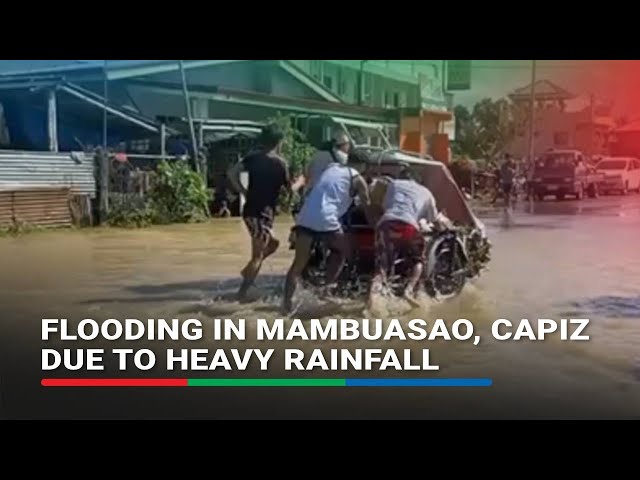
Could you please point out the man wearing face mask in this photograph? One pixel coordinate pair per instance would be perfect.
(337, 153)
(321, 219)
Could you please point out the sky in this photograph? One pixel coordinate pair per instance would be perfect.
(608, 80)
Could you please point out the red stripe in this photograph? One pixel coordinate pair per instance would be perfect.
(114, 382)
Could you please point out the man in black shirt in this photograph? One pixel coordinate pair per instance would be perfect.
(268, 173)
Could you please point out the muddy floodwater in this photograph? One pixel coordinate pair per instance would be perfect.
(559, 260)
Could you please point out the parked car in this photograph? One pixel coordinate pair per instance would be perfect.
(564, 172)
(621, 174)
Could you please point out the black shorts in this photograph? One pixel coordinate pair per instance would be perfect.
(315, 235)
(507, 188)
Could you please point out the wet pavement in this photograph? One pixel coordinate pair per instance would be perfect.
(558, 260)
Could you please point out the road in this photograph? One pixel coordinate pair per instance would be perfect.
(562, 260)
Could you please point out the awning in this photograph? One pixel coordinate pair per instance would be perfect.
(224, 125)
(98, 101)
(362, 124)
(295, 105)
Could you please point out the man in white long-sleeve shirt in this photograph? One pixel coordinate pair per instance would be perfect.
(406, 204)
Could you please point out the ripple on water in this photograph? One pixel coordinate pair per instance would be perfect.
(607, 306)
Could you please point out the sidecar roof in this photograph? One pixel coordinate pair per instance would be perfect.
(376, 163)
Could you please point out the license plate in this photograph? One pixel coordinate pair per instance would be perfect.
(552, 187)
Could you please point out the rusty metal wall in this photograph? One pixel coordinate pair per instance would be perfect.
(47, 169)
(45, 207)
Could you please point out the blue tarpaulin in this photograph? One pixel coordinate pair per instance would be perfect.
(26, 120)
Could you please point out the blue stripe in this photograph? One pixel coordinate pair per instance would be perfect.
(419, 382)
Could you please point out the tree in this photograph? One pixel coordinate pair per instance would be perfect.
(465, 143)
(295, 148)
(488, 129)
(297, 151)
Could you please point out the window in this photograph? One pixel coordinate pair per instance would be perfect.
(368, 88)
(387, 100)
(199, 107)
(316, 69)
(396, 100)
(612, 165)
(328, 82)
(139, 146)
(342, 87)
(561, 139)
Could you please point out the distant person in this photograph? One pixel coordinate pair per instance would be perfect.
(224, 211)
(496, 172)
(507, 177)
(268, 174)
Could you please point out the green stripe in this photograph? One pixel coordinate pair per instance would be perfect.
(266, 382)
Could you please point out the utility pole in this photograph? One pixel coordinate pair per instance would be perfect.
(103, 156)
(105, 93)
(532, 117)
(194, 149)
(592, 126)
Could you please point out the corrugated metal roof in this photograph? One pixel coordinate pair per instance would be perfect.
(116, 69)
(544, 89)
(17, 67)
(45, 169)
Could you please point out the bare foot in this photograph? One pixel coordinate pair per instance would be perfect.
(410, 297)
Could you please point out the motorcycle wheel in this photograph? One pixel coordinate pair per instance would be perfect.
(449, 275)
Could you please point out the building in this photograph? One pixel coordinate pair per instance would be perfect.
(371, 94)
(625, 140)
(562, 120)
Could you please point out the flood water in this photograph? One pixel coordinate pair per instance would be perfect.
(563, 260)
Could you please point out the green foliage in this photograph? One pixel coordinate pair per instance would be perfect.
(487, 130)
(178, 195)
(128, 213)
(462, 170)
(297, 151)
(19, 227)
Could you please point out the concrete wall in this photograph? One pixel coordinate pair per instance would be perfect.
(343, 80)
(552, 124)
(627, 144)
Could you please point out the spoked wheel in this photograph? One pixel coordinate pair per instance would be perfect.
(449, 274)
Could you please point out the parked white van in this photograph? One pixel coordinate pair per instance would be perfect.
(621, 174)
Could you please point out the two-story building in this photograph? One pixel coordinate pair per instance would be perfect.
(562, 121)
